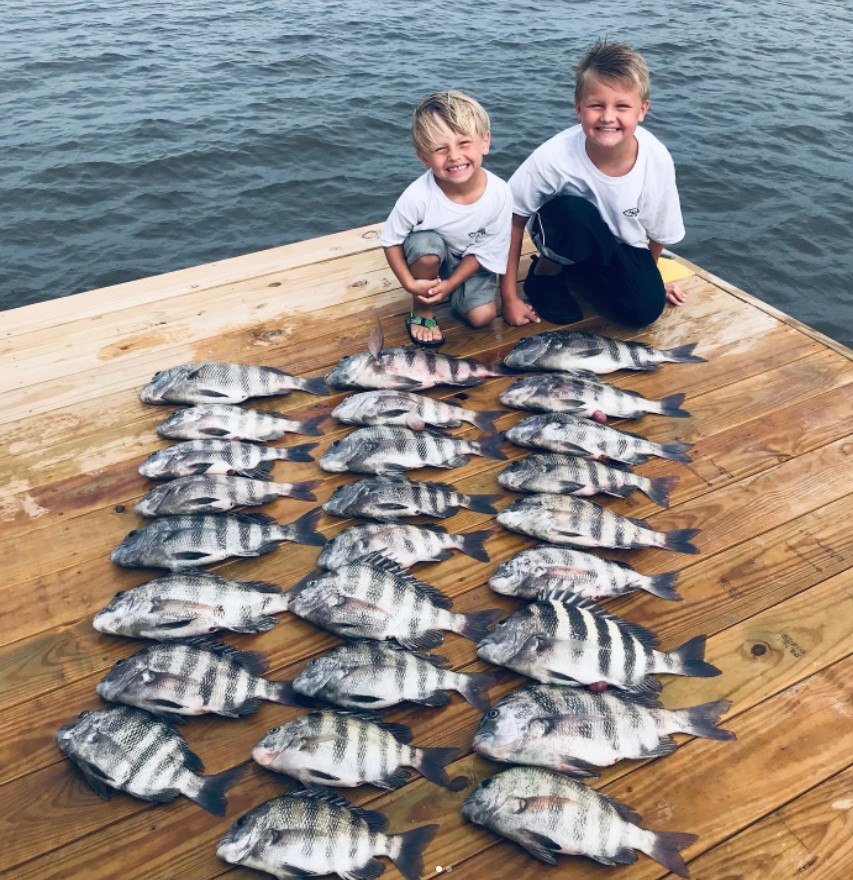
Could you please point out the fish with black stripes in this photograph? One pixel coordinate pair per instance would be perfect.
(226, 421)
(569, 640)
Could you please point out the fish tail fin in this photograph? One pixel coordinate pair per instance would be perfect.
(683, 354)
(473, 545)
(666, 850)
(702, 720)
(491, 447)
(407, 850)
(659, 489)
(312, 386)
(431, 764)
(302, 491)
(211, 794)
(474, 625)
(282, 692)
(310, 427)
(689, 659)
(663, 586)
(485, 421)
(303, 530)
(679, 540)
(475, 688)
(671, 406)
(297, 453)
(676, 451)
(482, 503)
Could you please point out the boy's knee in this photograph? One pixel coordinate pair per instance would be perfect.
(480, 316)
(641, 314)
(428, 264)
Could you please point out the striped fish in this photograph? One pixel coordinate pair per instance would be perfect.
(572, 475)
(568, 350)
(196, 457)
(217, 493)
(195, 539)
(565, 519)
(228, 422)
(194, 603)
(386, 449)
(345, 749)
(571, 640)
(197, 677)
(584, 393)
(549, 814)
(215, 382)
(415, 411)
(537, 571)
(407, 369)
(313, 831)
(391, 498)
(565, 433)
(405, 544)
(374, 598)
(574, 731)
(376, 675)
(130, 750)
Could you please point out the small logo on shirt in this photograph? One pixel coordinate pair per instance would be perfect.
(476, 236)
(631, 212)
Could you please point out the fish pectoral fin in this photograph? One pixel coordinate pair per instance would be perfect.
(201, 467)
(203, 500)
(539, 845)
(369, 871)
(214, 432)
(215, 393)
(95, 778)
(394, 780)
(322, 776)
(190, 554)
(391, 505)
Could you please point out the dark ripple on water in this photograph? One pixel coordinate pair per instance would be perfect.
(147, 136)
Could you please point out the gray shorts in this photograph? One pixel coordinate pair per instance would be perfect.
(479, 289)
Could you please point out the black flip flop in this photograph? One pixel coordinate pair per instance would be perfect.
(429, 323)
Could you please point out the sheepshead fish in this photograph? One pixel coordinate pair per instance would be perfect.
(344, 749)
(407, 369)
(391, 498)
(565, 519)
(224, 421)
(217, 493)
(194, 603)
(374, 598)
(376, 675)
(574, 731)
(314, 831)
(197, 457)
(196, 677)
(584, 393)
(572, 475)
(405, 544)
(533, 573)
(415, 411)
(195, 539)
(568, 434)
(570, 641)
(549, 814)
(215, 382)
(386, 449)
(130, 750)
(568, 350)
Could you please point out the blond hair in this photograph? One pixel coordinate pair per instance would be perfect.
(458, 111)
(617, 61)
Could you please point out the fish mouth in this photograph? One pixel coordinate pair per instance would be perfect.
(266, 756)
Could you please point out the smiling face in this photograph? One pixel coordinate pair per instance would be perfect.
(456, 159)
(609, 112)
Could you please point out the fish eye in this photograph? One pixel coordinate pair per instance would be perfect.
(241, 822)
(502, 622)
(492, 713)
(131, 534)
(486, 783)
(119, 594)
(120, 662)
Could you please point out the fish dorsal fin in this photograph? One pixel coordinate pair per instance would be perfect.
(638, 698)
(440, 487)
(383, 563)
(435, 659)
(376, 342)
(398, 731)
(624, 811)
(375, 821)
(644, 636)
(253, 662)
(433, 527)
(260, 519)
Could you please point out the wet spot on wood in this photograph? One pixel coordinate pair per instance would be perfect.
(462, 395)
(275, 284)
(120, 508)
(758, 649)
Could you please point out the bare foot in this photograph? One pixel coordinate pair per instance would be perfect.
(423, 327)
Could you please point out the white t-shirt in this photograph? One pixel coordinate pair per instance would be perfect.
(482, 228)
(640, 205)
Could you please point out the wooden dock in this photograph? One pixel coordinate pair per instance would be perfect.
(769, 487)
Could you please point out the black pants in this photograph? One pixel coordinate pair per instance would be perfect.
(623, 281)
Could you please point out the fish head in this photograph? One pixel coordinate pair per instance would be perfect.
(483, 804)
(506, 638)
(316, 590)
(357, 408)
(344, 497)
(124, 606)
(502, 730)
(127, 679)
(511, 574)
(347, 372)
(245, 835)
(315, 675)
(154, 498)
(339, 454)
(158, 464)
(133, 550)
(288, 737)
(527, 352)
(516, 473)
(518, 393)
(163, 383)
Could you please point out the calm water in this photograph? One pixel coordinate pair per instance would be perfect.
(145, 136)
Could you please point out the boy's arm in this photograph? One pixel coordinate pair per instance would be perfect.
(438, 292)
(514, 309)
(674, 294)
(397, 261)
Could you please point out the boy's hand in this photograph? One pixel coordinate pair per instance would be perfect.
(517, 312)
(675, 296)
(436, 292)
(421, 286)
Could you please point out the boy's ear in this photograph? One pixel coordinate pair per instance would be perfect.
(487, 141)
(644, 109)
(423, 157)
